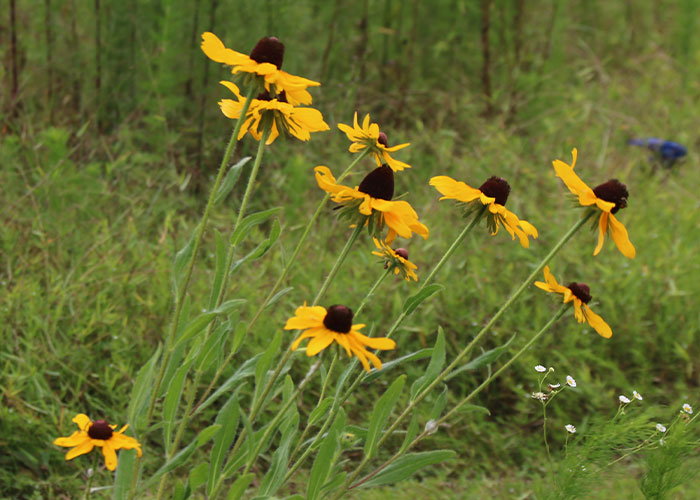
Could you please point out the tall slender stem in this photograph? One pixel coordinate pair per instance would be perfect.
(88, 487)
(339, 261)
(281, 278)
(192, 390)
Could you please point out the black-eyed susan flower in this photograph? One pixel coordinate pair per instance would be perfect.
(267, 113)
(370, 203)
(263, 65)
(324, 327)
(396, 260)
(608, 197)
(98, 433)
(493, 194)
(580, 294)
(369, 136)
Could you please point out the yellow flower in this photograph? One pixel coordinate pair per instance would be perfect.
(335, 324)
(265, 112)
(99, 434)
(370, 203)
(609, 197)
(580, 294)
(396, 260)
(265, 61)
(369, 136)
(493, 194)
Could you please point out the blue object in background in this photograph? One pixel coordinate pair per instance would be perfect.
(668, 152)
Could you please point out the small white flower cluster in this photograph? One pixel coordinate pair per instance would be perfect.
(540, 396)
(625, 400)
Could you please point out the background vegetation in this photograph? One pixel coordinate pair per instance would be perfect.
(110, 133)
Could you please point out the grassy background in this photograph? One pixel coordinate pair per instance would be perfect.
(110, 136)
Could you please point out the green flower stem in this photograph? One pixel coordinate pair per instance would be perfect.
(192, 390)
(93, 470)
(334, 410)
(257, 405)
(468, 398)
(476, 339)
(179, 299)
(281, 278)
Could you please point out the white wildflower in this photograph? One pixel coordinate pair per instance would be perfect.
(624, 399)
(570, 380)
(570, 428)
(660, 428)
(688, 409)
(540, 368)
(637, 395)
(554, 386)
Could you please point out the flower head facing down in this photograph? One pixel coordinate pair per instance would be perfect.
(267, 113)
(263, 67)
(369, 136)
(370, 204)
(492, 194)
(570, 381)
(580, 295)
(98, 433)
(624, 399)
(608, 197)
(325, 326)
(540, 368)
(570, 428)
(396, 261)
(661, 428)
(688, 409)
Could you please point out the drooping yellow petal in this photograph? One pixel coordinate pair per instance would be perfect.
(602, 228)
(120, 441)
(319, 343)
(305, 335)
(381, 343)
(217, 51)
(621, 239)
(455, 190)
(598, 324)
(83, 448)
(577, 310)
(110, 455)
(74, 439)
(83, 421)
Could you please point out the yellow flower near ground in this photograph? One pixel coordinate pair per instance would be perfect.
(264, 61)
(492, 194)
(609, 197)
(580, 295)
(369, 136)
(97, 434)
(272, 112)
(396, 260)
(324, 327)
(373, 199)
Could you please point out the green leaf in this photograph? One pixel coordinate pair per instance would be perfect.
(141, 392)
(325, 458)
(181, 457)
(279, 295)
(437, 361)
(172, 400)
(278, 467)
(228, 419)
(199, 324)
(467, 408)
(414, 300)
(320, 411)
(246, 370)
(230, 180)
(439, 404)
(211, 350)
(381, 412)
(239, 486)
(238, 336)
(180, 263)
(261, 249)
(407, 465)
(414, 356)
(219, 270)
(122, 482)
(265, 362)
(198, 475)
(252, 220)
(411, 432)
(484, 359)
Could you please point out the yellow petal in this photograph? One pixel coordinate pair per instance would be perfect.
(598, 324)
(110, 455)
(83, 421)
(83, 448)
(452, 189)
(74, 439)
(319, 343)
(305, 335)
(577, 310)
(602, 228)
(621, 239)
(572, 181)
(382, 343)
(217, 51)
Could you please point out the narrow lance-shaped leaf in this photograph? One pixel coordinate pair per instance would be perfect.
(406, 466)
(324, 459)
(482, 360)
(228, 418)
(230, 180)
(414, 300)
(437, 361)
(248, 222)
(141, 391)
(382, 410)
(172, 400)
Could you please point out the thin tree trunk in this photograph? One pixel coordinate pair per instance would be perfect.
(98, 64)
(193, 49)
(75, 47)
(49, 56)
(517, 51)
(486, 55)
(15, 70)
